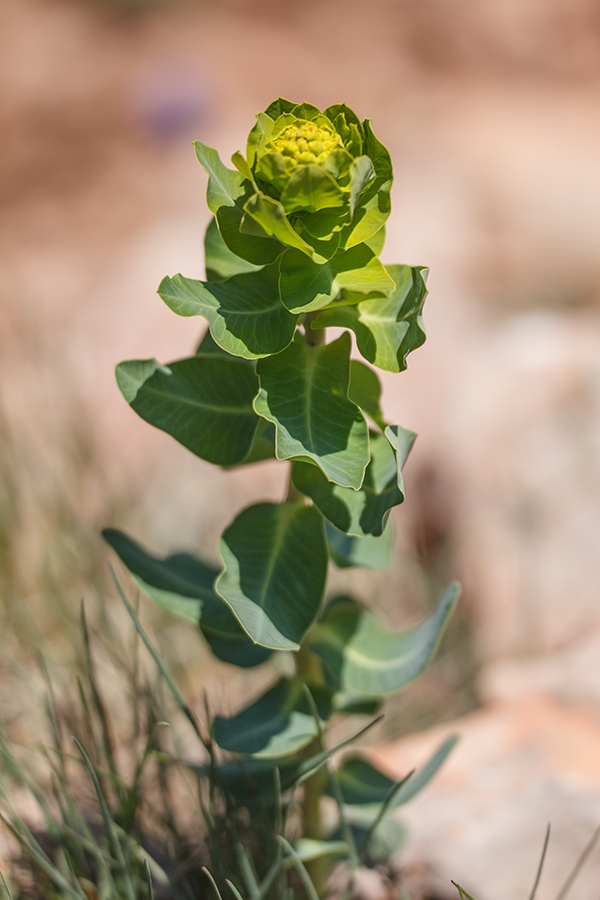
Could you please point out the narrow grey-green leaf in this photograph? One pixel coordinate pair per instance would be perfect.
(219, 260)
(365, 511)
(306, 286)
(275, 566)
(278, 724)
(183, 584)
(204, 402)
(387, 329)
(363, 785)
(304, 392)
(364, 552)
(245, 315)
(367, 657)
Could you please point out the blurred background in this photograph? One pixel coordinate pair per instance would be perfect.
(491, 112)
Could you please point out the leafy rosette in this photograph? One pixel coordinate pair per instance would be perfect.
(327, 170)
(317, 182)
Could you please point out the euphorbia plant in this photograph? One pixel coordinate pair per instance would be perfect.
(293, 248)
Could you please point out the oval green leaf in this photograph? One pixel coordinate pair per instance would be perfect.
(278, 724)
(275, 566)
(364, 786)
(245, 314)
(304, 392)
(386, 329)
(306, 286)
(365, 511)
(204, 402)
(368, 552)
(219, 261)
(183, 584)
(365, 656)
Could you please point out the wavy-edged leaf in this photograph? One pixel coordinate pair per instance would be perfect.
(204, 402)
(219, 260)
(304, 392)
(275, 566)
(364, 552)
(306, 286)
(361, 174)
(365, 511)
(280, 723)
(365, 787)
(183, 584)
(386, 329)
(365, 656)
(245, 315)
(225, 186)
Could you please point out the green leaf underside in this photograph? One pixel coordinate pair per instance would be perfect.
(219, 260)
(204, 402)
(304, 392)
(365, 656)
(183, 584)
(306, 286)
(386, 329)
(311, 188)
(244, 313)
(364, 786)
(359, 512)
(275, 565)
(365, 391)
(365, 552)
(278, 724)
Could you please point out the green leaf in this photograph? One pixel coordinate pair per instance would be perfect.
(278, 724)
(220, 262)
(183, 584)
(245, 315)
(365, 656)
(350, 704)
(383, 844)
(225, 186)
(304, 392)
(387, 329)
(264, 215)
(377, 152)
(306, 286)
(204, 402)
(257, 248)
(311, 189)
(275, 566)
(364, 786)
(361, 174)
(365, 552)
(365, 511)
(309, 849)
(365, 391)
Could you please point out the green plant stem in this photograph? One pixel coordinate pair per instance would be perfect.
(308, 668)
(313, 338)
